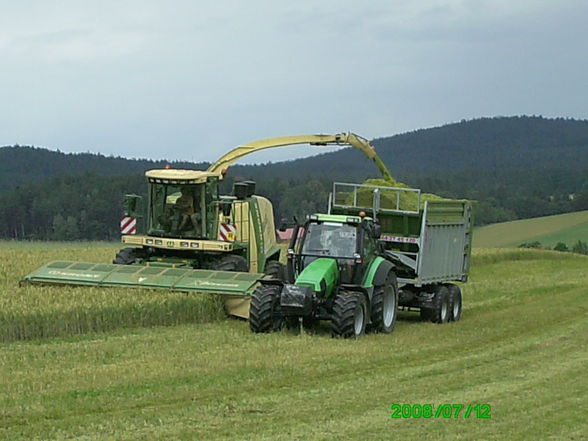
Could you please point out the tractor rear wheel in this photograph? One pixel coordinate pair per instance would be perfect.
(441, 307)
(455, 302)
(385, 306)
(231, 262)
(275, 270)
(349, 314)
(128, 256)
(264, 314)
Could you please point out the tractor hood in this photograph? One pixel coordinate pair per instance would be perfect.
(321, 275)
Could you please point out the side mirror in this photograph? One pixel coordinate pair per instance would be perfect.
(133, 205)
(376, 231)
(226, 208)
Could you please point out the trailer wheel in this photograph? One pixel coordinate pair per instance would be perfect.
(441, 305)
(231, 262)
(264, 314)
(128, 256)
(385, 306)
(455, 301)
(275, 270)
(349, 314)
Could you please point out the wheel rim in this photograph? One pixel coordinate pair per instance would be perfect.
(444, 308)
(389, 307)
(358, 319)
(456, 308)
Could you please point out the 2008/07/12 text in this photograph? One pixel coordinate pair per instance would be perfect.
(455, 410)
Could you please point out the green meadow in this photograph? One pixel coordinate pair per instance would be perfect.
(521, 348)
(549, 230)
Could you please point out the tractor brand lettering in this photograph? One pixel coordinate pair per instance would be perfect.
(63, 273)
(207, 283)
(400, 239)
(227, 232)
(128, 225)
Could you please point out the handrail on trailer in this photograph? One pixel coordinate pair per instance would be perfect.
(350, 198)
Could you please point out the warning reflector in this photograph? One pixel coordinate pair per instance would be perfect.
(128, 225)
(227, 232)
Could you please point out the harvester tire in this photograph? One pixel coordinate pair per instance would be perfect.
(385, 306)
(275, 270)
(128, 256)
(441, 305)
(231, 262)
(264, 314)
(349, 314)
(455, 302)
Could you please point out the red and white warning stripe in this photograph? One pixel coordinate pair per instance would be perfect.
(227, 232)
(128, 225)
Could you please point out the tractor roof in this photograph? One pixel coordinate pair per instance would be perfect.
(343, 218)
(189, 176)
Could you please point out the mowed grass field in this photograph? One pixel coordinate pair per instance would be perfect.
(549, 230)
(521, 347)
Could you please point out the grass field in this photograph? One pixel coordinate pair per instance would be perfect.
(521, 347)
(549, 230)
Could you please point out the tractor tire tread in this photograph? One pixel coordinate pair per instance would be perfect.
(343, 316)
(262, 310)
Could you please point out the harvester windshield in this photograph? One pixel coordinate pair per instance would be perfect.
(178, 210)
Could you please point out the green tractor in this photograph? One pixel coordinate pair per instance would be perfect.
(336, 271)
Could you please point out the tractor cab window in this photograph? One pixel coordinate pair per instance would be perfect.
(176, 210)
(330, 239)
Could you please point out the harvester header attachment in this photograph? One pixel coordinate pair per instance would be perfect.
(138, 276)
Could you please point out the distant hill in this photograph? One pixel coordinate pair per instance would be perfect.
(488, 144)
(514, 167)
(20, 165)
(548, 230)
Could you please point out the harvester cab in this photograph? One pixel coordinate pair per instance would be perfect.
(188, 224)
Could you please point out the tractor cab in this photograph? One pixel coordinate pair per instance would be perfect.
(349, 240)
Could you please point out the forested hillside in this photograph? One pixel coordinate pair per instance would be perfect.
(515, 167)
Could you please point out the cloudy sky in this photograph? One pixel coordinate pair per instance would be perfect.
(191, 79)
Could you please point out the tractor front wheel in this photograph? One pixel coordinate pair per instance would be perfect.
(349, 314)
(264, 314)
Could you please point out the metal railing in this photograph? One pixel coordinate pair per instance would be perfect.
(377, 198)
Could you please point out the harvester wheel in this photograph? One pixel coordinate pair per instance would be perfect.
(231, 262)
(385, 306)
(349, 314)
(264, 314)
(455, 302)
(275, 269)
(128, 256)
(441, 307)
